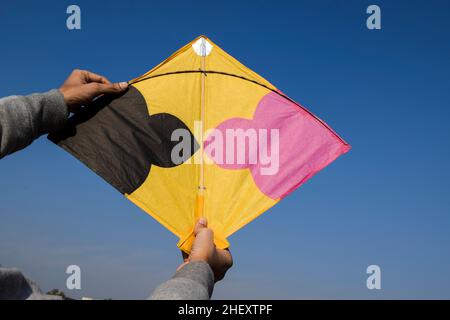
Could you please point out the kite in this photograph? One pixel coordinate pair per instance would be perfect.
(201, 135)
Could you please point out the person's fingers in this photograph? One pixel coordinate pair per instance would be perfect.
(93, 77)
(96, 89)
(224, 257)
(221, 263)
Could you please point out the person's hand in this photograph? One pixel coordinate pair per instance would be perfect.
(203, 249)
(81, 87)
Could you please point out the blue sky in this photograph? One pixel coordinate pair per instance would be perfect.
(386, 202)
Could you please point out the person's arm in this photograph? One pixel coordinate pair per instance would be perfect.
(195, 278)
(194, 281)
(25, 118)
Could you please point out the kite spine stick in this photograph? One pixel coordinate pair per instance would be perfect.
(201, 187)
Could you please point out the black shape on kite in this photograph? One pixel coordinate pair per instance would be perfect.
(118, 139)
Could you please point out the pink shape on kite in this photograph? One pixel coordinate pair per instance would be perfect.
(306, 144)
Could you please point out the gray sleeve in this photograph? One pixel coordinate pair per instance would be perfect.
(25, 118)
(195, 281)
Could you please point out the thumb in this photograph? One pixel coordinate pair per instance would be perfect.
(203, 245)
(106, 88)
(201, 223)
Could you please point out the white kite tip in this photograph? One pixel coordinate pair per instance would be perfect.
(202, 47)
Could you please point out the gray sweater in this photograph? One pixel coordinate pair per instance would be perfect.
(24, 119)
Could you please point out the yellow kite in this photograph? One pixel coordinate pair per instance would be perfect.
(201, 135)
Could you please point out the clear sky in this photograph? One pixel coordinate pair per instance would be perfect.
(386, 202)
